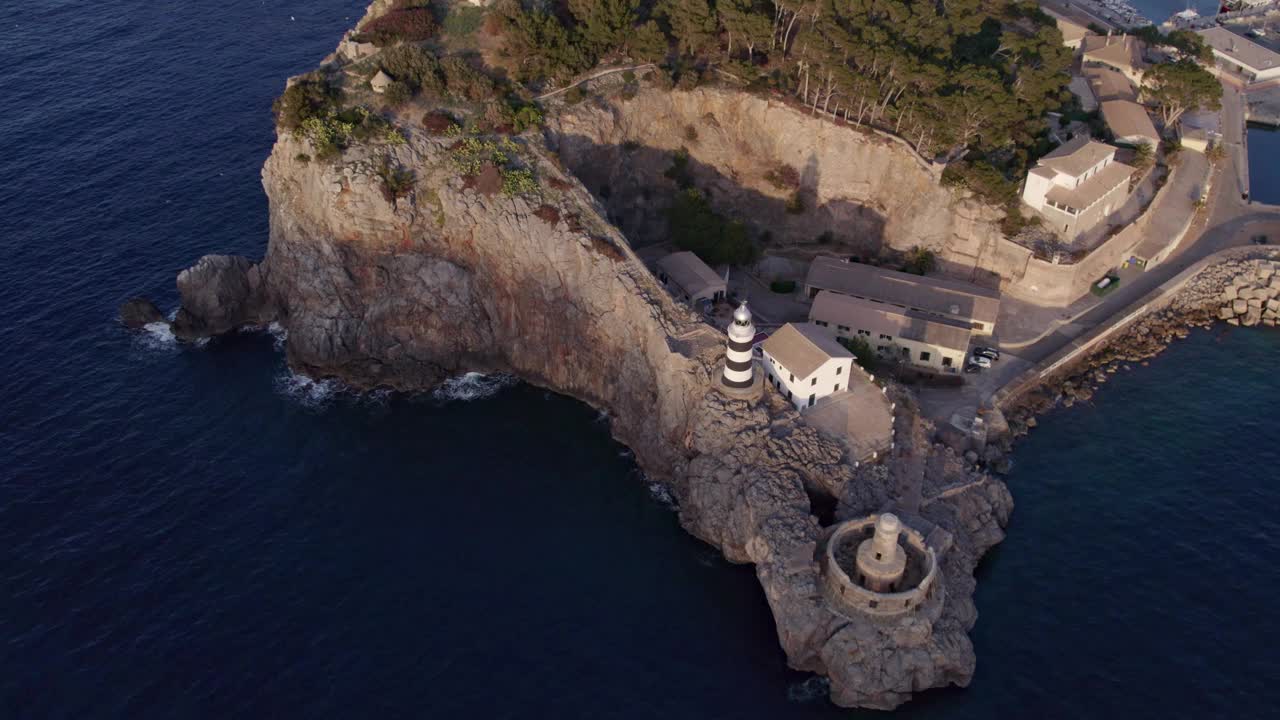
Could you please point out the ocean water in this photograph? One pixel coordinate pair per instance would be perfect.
(191, 532)
(1264, 170)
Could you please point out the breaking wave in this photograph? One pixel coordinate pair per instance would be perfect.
(472, 386)
(815, 688)
(278, 335)
(306, 391)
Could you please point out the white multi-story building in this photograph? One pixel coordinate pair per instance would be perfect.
(1077, 186)
(806, 364)
(1240, 56)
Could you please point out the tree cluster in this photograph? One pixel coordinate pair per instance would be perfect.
(947, 76)
(1180, 86)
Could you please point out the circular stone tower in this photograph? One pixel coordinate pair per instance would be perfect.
(881, 560)
(737, 366)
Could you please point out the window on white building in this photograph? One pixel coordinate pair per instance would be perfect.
(924, 356)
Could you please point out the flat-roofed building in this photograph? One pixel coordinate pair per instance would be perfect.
(916, 338)
(1107, 83)
(1129, 123)
(1240, 56)
(1077, 185)
(690, 279)
(965, 302)
(1122, 52)
(806, 364)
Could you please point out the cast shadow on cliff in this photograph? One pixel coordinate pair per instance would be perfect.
(637, 185)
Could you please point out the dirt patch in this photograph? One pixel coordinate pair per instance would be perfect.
(548, 214)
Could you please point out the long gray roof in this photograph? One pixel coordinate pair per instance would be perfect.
(931, 294)
(879, 318)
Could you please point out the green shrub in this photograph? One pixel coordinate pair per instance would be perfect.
(783, 287)
(415, 66)
(466, 82)
(473, 153)
(920, 261)
(397, 182)
(694, 226)
(518, 182)
(862, 352)
(690, 133)
(302, 157)
(311, 96)
(408, 21)
(397, 93)
(463, 20)
(526, 117)
(679, 170)
(795, 203)
(783, 177)
(628, 76)
(574, 95)
(437, 122)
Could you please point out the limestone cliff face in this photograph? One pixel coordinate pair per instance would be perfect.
(866, 188)
(404, 292)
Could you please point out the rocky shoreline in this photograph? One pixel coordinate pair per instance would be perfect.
(1238, 291)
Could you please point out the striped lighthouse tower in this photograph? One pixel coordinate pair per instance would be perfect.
(737, 366)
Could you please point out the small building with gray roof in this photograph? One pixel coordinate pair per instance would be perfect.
(690, 279)
(805, 364)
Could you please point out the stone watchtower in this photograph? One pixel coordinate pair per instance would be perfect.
(880, 568)
(881, 560)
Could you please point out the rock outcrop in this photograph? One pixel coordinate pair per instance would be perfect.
(869, 190)
(403, 293)
(138, 312)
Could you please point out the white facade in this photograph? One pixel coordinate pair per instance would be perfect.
(737, 366)
(819, 366)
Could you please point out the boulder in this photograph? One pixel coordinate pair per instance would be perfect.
(1253, 317)
(1255, 303)
(1240, 306)
(1245, 293)
(139, 311)
(219, 293)
(1231, 293)
(1226, 312)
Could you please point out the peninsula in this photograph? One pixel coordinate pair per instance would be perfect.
(805, 256)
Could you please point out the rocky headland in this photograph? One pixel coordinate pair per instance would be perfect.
(405, 289)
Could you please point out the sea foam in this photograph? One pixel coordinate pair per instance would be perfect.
(472, 386)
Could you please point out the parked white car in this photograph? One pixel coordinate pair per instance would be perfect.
(980, 361)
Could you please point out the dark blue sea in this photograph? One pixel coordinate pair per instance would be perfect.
(193, 532)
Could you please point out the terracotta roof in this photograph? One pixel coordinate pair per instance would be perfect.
(1091, 190)
(803, 348)
(930, 294)
(1123, 51)
(1129, 120)
(1244, 51)
(1109, 84)
(690, 273)
(1076, 155)
(878, 318)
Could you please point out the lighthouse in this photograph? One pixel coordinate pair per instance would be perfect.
(737, 365)
(881, 560)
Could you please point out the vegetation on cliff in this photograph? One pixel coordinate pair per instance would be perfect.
(947, 77)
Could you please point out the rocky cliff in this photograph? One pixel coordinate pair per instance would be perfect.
(868, 189)
(404, 292)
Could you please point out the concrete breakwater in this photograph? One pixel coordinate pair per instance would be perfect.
(1241, 287)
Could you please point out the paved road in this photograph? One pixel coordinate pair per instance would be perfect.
(1230, 221)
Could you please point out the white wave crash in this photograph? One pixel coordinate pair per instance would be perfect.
(472, 386)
